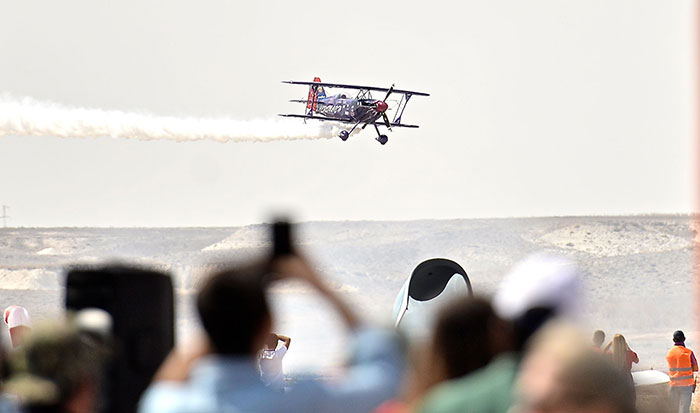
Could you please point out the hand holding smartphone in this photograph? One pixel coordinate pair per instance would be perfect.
(282, 239)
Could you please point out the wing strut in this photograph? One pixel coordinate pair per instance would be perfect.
(399, 113)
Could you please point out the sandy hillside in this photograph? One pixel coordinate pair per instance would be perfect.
(637, 270)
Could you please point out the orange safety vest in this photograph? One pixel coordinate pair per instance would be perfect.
(679, 367)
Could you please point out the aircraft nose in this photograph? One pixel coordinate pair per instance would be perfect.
(382, 106)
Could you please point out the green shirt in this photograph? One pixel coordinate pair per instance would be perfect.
(487, 390)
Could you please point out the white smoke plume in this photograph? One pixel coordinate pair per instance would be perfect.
(30, 117)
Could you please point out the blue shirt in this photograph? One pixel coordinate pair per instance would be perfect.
(232, 384)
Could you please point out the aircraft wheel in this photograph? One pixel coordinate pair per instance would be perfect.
(383, 139)
(344, 135)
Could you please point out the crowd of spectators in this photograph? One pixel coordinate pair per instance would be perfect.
(521, 350)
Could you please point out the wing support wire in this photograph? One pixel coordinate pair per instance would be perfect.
(399, 109)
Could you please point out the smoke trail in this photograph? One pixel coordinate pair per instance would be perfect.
(28, 116)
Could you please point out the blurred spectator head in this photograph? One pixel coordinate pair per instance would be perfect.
(540, 287)
(271, 341)
(58, 369)
(95, 324)
(234, 311)
(18, 324)
(598, 338)
(561, 374)
(468, 334)
(619, 351)
(678, 336)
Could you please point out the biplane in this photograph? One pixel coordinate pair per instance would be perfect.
(361, 110)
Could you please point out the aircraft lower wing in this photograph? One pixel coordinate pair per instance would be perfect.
(321, 118)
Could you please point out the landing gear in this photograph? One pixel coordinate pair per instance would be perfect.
(383, 139)
(344, 135)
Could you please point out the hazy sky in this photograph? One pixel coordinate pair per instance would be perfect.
(536, 108)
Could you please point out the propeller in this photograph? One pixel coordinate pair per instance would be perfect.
(388, 93)
(382, 106)
(386, 121)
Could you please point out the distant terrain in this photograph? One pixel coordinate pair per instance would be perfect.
(638, 270)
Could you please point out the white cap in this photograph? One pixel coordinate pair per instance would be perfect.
(16, 315)
(94, 320)
(540, 280)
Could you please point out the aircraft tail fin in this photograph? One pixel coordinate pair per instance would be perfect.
(315, 92)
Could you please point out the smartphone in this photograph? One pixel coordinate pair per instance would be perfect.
(281, 238)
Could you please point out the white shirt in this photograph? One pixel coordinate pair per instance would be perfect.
(271, 371)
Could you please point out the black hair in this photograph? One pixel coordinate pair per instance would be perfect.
(527, 324)
(598, 337)
(233, 308)
(462, 338)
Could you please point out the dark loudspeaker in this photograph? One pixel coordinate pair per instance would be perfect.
(141, 305)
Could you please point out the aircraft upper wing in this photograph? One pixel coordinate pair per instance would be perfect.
(381, 89)
(291, 115)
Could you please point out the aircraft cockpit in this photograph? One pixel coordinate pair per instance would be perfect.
(335, 99)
